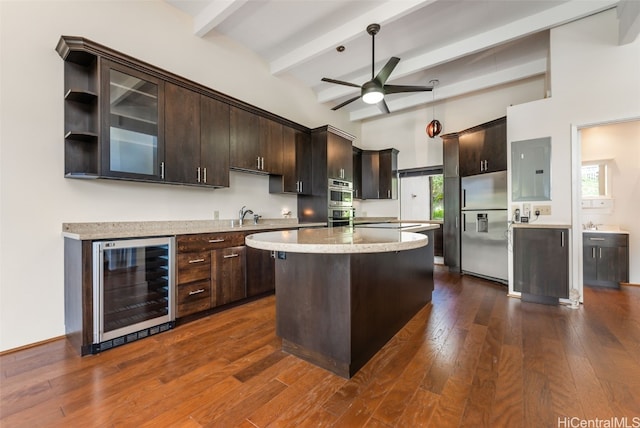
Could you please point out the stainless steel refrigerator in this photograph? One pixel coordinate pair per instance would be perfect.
(484, 212)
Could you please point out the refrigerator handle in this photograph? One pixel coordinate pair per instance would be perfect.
(464, 222)
(464, 198)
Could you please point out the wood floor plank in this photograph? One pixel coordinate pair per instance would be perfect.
(396, 400)
(589, 391)
(507, 409)
(272, 410)
(419, 409)
(444, 362)
(472, 357)
(483, 387)
(450, 407)
(561, 384)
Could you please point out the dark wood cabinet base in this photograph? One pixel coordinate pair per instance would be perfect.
(338, 310)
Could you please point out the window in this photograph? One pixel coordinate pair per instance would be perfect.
(422, 193)
(436, 185)
(595, 180)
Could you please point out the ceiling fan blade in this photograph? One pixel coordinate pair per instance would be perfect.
(382, 105)
(384, 74)
(340, 82)
(345, 103)
(395, 89)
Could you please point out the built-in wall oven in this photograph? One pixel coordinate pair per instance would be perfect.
(342, 216)
(133, 290)
(340, 203)
(340, 193)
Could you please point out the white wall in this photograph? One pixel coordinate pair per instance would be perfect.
(35, 199)
(593, 80)
(415, 198)
(620, 143)
(406, 131)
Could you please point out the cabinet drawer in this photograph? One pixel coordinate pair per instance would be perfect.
(194, 297)
(194, 266)
(606, 239)
(209, 241)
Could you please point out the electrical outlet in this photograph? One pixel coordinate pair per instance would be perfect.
(526, 210)
(544, 209)
(216, 215)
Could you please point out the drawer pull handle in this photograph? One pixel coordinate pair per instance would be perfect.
(191, 293)
(213, 241)
(228, 256)
(596, 239)
(196, 261)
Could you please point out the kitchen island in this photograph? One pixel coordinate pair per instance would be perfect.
(342, 293)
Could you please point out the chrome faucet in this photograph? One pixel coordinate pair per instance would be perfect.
(243, 212)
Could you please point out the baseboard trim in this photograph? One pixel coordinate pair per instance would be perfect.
(30, 345)
(628, 284)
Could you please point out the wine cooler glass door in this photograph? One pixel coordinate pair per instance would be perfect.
(133, 286)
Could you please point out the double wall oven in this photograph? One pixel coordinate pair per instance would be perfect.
(340, 203)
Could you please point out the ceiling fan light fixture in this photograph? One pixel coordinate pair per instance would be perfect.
(372, 93)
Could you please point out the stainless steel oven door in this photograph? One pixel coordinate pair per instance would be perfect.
(340, 198)
(340, 217)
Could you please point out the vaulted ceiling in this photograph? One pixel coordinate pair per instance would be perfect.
(466, 45)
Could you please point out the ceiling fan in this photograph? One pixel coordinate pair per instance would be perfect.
(373, 91)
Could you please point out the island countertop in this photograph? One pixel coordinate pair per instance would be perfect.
(341, 240)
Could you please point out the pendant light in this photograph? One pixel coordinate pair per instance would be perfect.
(434, 127)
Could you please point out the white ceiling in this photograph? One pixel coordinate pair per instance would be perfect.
(468, 45)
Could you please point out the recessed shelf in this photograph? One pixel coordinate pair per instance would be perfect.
(80, 96)
(81, 136)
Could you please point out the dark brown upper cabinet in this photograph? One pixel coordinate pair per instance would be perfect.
(296, 164)
(483, 149)
(214, 142)
(380, 174)
(244, 140)
(271, 145)
(196, 138)
(132, 123)
(127, 119)
(256, 143)
(339, 157)
(182, 135)
(357, 173)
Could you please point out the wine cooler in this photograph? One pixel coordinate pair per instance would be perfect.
(133, 290)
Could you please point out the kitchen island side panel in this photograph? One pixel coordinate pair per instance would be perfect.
(338, 310)
(387, 290)
(313, 308)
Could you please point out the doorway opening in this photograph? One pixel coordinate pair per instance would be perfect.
(606, 188)
(422, 199)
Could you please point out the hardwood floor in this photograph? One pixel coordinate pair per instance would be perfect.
(473, 357)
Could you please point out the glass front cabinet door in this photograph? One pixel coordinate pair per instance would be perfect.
(132, 123)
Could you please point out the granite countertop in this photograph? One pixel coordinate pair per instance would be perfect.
(340, 240)
(138, 229)
(541, 226)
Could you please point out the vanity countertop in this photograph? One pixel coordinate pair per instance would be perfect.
(618, 231)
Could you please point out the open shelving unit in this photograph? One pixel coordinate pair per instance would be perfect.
(81, 112)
